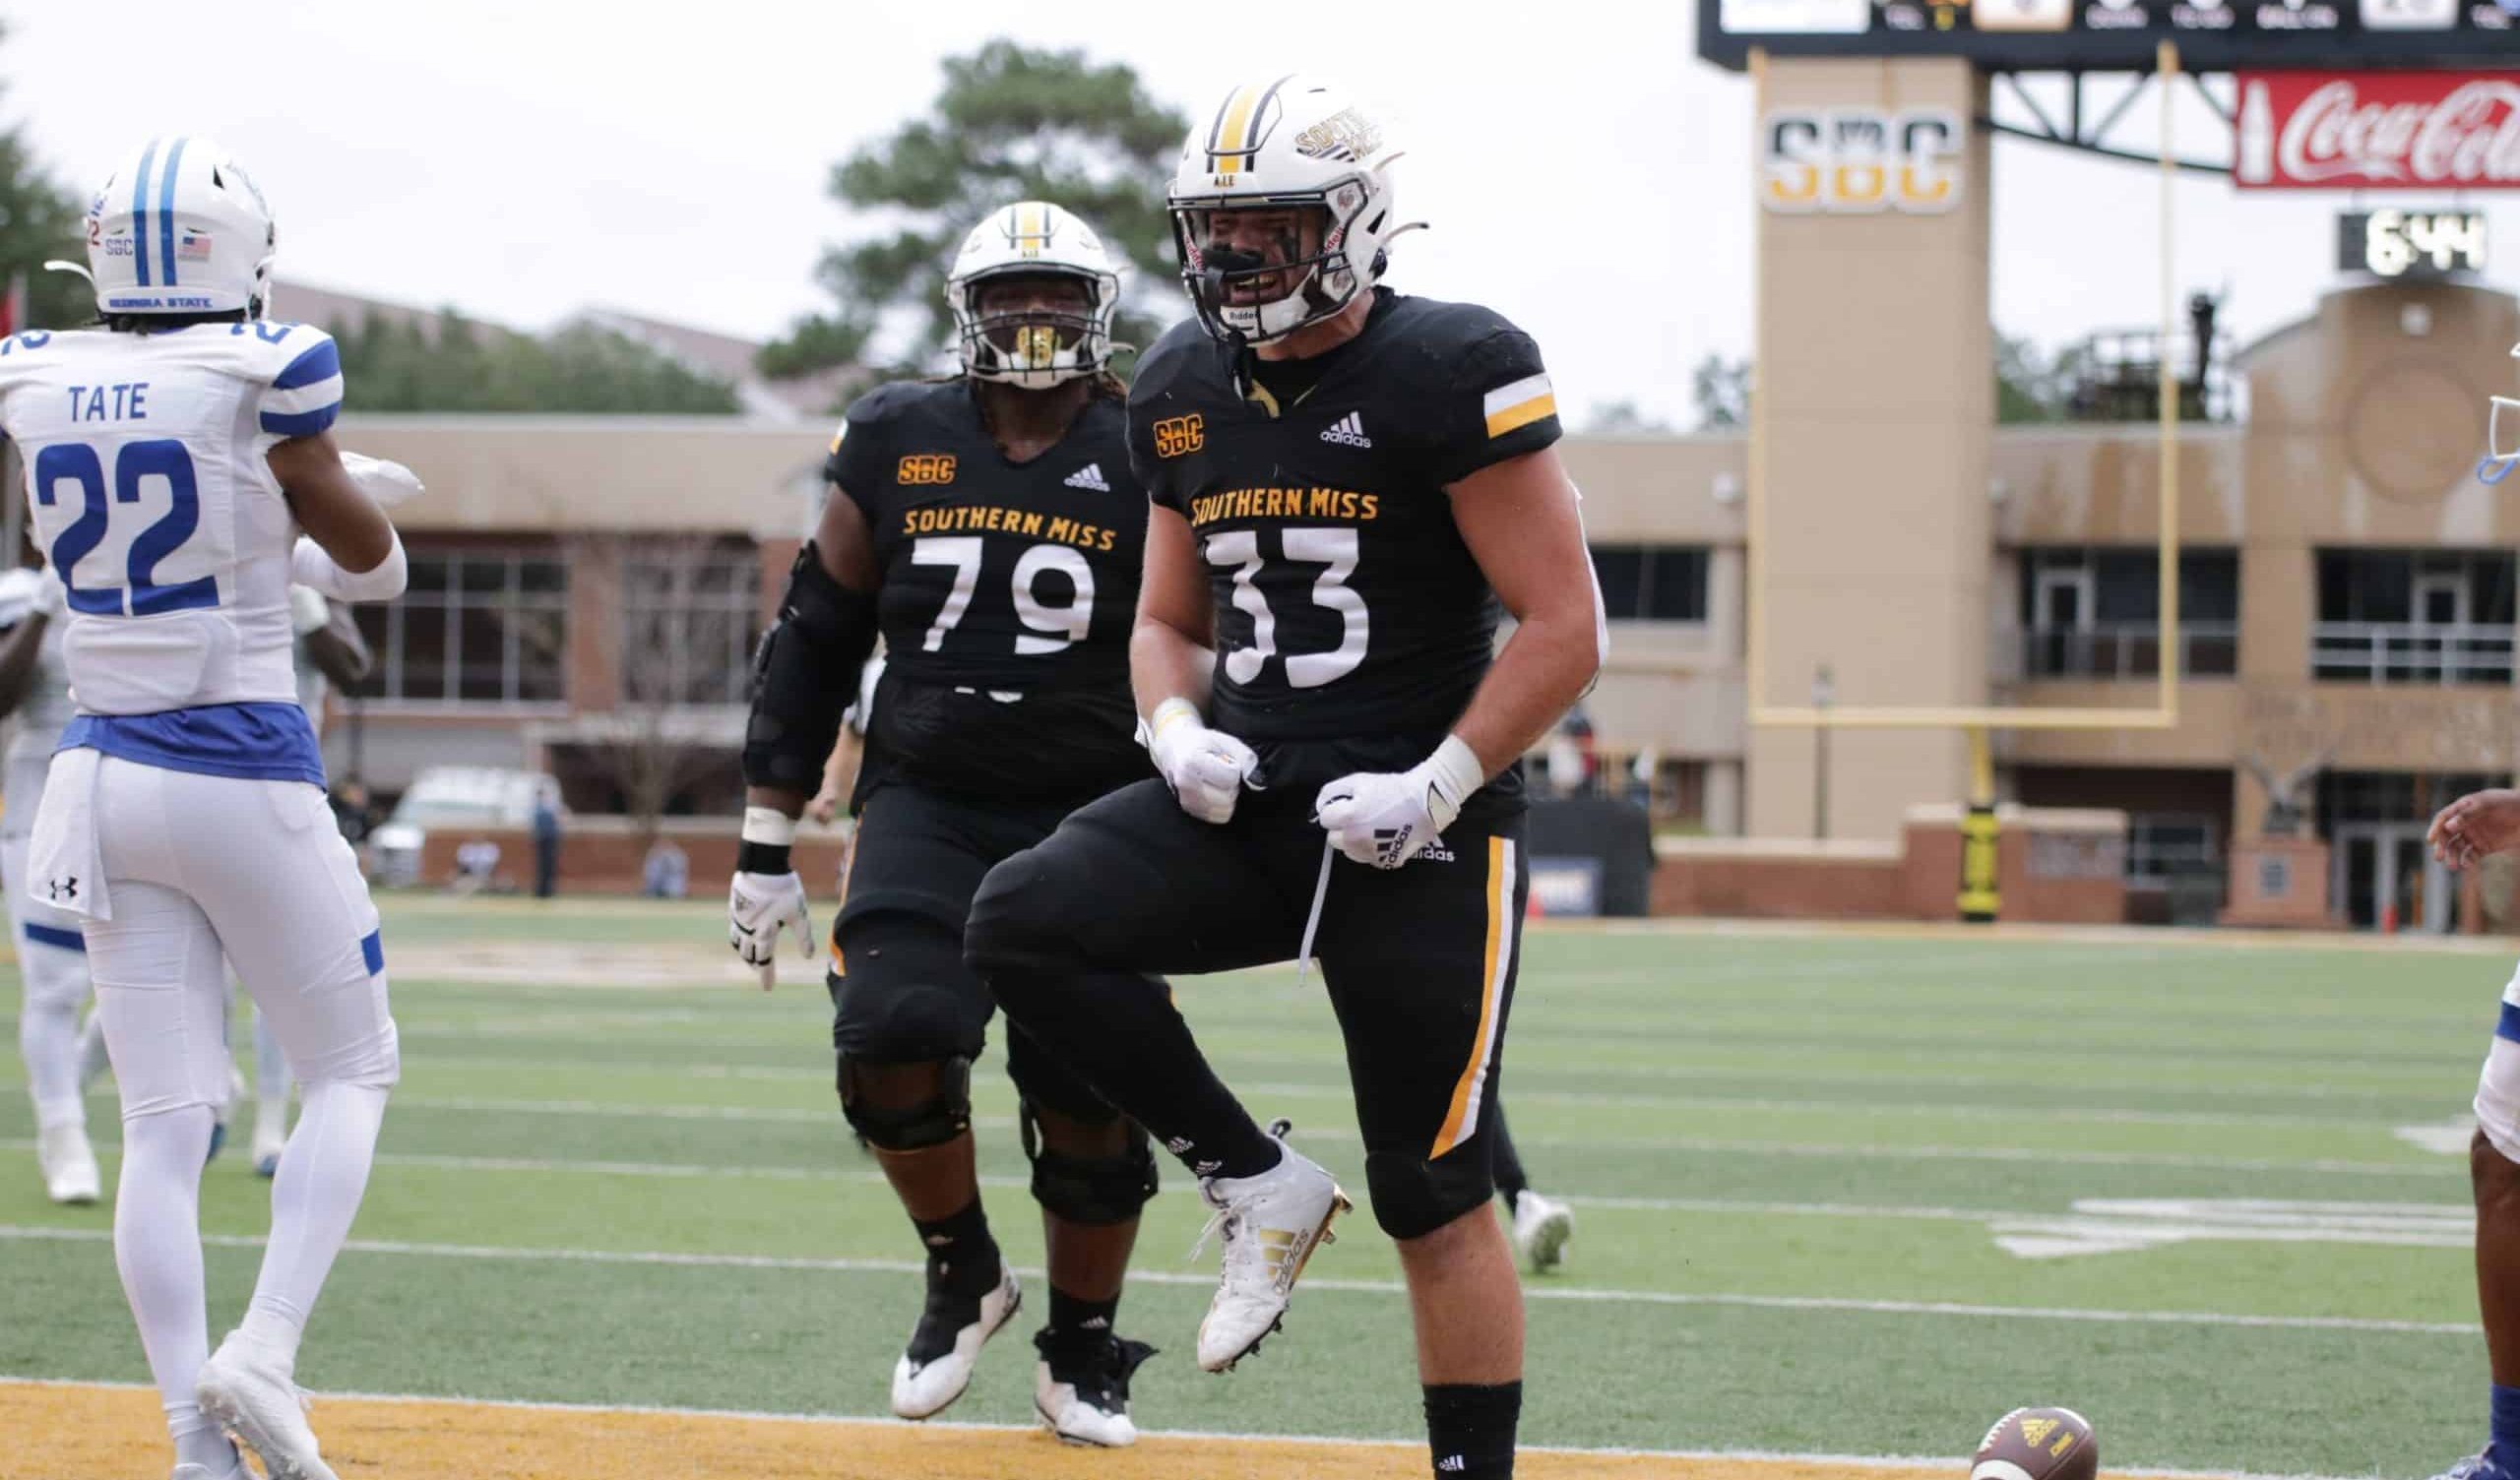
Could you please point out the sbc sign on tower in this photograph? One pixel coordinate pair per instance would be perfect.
(1860, 162)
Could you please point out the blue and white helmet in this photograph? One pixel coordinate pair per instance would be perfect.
(2502, 432)
(179, 228)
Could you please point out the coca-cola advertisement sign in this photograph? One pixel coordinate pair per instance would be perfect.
(2378, 131)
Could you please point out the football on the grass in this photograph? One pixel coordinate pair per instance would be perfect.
(2038, 1444)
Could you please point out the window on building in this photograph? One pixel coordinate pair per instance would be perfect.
(2096, 613)
(691, 615)
(2413, 616)
(2161, 845)
(474, 626)
(1652, 583)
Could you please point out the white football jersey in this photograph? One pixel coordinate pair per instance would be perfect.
(152, 499)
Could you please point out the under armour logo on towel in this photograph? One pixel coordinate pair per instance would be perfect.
(64, 888)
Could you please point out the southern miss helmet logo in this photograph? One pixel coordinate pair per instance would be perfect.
(1345, 134)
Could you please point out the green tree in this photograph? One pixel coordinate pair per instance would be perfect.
(1720, 390)
(448, 363)
(40, 220)
(1011, 123)
(2031, 385)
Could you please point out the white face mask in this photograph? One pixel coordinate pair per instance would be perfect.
(2503, 441)
(2501, 438)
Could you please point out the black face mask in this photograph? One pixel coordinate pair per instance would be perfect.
(1222, 262)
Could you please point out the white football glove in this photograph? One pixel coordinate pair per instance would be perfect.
(307, 611)
(1206, 768)
(26, 590)
(383, 480)
(1387, 818)
(758, 907)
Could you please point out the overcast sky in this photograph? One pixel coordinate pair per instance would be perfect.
(1584, 173)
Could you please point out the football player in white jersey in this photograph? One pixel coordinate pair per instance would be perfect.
(175, 454)
(53, 959)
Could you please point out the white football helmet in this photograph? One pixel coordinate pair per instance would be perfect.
(179, 228)
(1295, 143)
(1034, 350)
(2502, 432)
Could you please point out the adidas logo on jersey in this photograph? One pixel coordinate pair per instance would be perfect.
(1347, 431)
(1089, 477)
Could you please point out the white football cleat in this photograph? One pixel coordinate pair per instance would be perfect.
(250, 1389)
(925, 1387)
(270, 1136)
(69, 1165)
(1543, 1229)
(236, 1471)
(219, 1113)
(1271, 1224)
(1081, 1390)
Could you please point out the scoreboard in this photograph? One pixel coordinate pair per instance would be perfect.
(2410, 243)
(2121, 36)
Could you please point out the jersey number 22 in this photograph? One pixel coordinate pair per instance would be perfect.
(76, 464)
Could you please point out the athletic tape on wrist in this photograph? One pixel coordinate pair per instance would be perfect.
(1170, 712)
(769, 824)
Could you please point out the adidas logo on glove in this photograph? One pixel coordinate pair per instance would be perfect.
(1347, 431)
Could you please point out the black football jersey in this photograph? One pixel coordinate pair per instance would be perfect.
(1008, 593)
(1352, 622)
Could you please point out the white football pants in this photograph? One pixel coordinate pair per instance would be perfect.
(52, 960)
(201, 868)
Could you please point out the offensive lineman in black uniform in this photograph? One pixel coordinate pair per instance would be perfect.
(990, 527)
(1347, 484)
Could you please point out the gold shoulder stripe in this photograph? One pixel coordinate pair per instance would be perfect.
(1514, 417)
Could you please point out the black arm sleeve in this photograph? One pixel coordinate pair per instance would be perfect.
(804, 675)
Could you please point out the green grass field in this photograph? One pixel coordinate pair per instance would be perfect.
(1836, 1194)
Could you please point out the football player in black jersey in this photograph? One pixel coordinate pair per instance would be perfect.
(1350, 487)
(990, 526)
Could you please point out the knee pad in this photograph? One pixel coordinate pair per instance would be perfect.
(906, 998)
(913, 1128)
(1094, 1191)
(1414, 1196)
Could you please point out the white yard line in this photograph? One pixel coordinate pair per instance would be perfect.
(1546, 1293)
(1227, 1057)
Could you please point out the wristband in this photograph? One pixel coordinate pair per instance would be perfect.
(1456, 770)
(769, 824)
(768, 833)
(1170, 713)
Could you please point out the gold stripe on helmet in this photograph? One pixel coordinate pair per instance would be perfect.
(1229, 145)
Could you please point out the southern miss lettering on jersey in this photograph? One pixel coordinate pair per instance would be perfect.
(1352, 622)
(1008, 593)
(150, 497)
